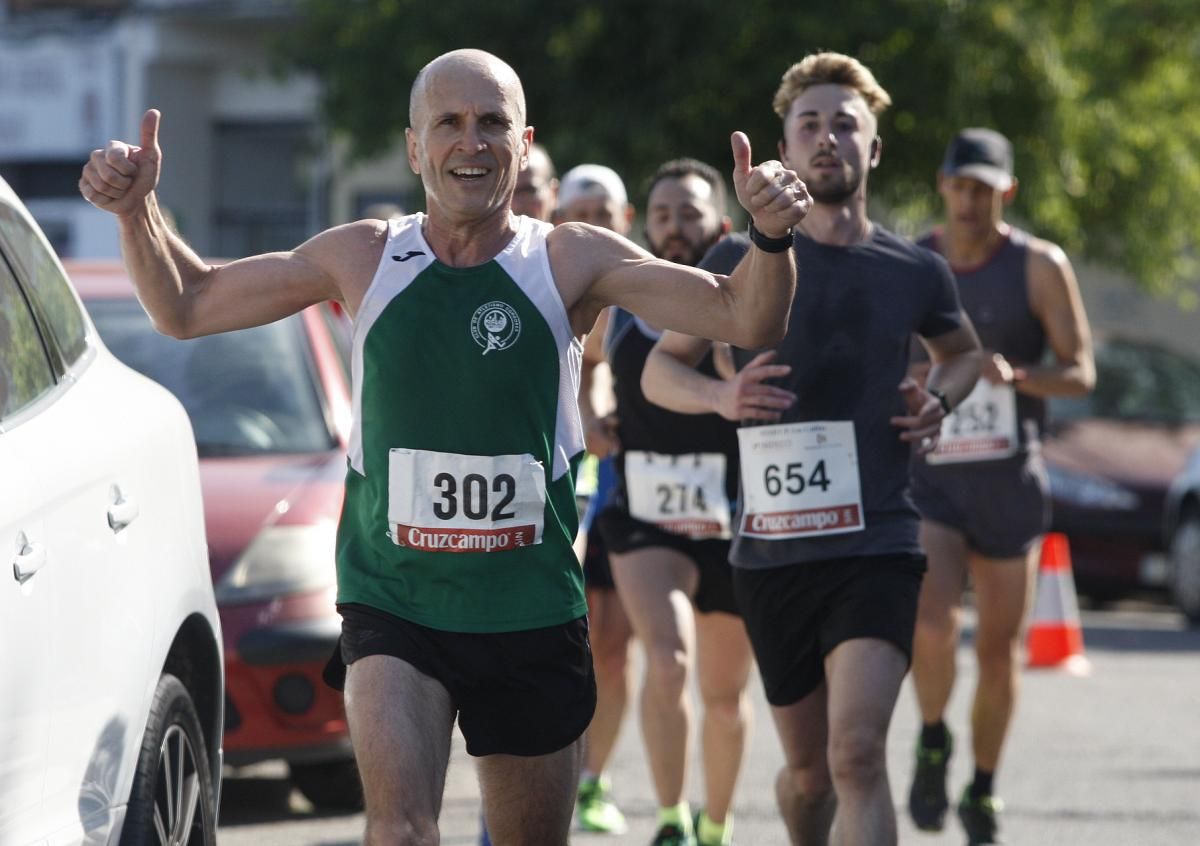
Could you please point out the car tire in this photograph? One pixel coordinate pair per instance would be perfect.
(329, 785)
(160, 809)
(1185, 566)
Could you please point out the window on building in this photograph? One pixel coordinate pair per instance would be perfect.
(267, 197)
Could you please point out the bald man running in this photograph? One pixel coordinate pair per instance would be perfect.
(460, 594)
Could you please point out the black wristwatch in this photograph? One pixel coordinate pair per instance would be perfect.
(770, 245)
(934, 392)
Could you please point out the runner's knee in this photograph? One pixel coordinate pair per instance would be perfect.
(935, 631)
(857, 756)
(727, 709)
(399, 829)
(996, 653)
(666, 670)
(804, 784)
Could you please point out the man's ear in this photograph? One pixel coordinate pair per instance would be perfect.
(1011, 193)
(876, 150)
(726, 225)
(410, 143)
(526, 146)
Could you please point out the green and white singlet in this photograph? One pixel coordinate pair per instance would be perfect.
(460, 505)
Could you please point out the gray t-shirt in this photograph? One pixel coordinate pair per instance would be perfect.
(847, 343)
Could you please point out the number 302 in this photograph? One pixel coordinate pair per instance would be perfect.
(474, 496)
(793, 480)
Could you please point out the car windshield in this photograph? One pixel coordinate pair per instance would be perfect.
(1137, 382)
(247, 392)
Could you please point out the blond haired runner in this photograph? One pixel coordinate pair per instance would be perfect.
(827, 567)
(460, 592)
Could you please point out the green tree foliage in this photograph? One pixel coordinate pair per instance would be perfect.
(1096, 96)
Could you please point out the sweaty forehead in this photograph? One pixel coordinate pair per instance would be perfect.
(830, 100)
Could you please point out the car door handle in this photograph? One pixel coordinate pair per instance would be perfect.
(122, 511)
(30, 558)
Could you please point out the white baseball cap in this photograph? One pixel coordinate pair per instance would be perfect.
(586, 180)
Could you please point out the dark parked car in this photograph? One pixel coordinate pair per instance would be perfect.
(270, 407)
(1113, 457)
(1183, 528)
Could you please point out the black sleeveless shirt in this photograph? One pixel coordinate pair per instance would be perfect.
(646, 426)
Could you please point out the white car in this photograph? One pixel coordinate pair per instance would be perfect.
(111, 688)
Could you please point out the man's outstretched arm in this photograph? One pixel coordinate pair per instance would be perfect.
(183, 295)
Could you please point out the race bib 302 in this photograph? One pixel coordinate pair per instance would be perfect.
(447, 502)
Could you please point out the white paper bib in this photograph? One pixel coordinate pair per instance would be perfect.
(681, 494)
(982, 428)
(800, 480)
(446, 502)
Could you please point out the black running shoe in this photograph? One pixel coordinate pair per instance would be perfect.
(979, 818)
(927, 800)
(673, 835)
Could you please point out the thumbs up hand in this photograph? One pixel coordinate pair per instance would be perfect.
(119, 177)
(773, 195)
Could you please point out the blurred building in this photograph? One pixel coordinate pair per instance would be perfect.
(248, 166)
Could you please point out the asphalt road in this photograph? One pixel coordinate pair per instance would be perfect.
(1109, 758)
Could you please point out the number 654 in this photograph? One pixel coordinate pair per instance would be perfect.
(793, 479)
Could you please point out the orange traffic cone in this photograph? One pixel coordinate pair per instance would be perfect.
(1055, 639)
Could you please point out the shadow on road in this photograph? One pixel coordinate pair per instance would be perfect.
(254, 799)
(1130, 638)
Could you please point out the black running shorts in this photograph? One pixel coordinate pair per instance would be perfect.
(1001, 507)
(517, 693)
(714, 590)
(597, 573)
(796, 614)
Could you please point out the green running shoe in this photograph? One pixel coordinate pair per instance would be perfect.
(696, 827)
(979, 818)
(596, 809)
(673, 835)
(927, 800)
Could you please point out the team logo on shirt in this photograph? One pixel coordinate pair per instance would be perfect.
(495, 326)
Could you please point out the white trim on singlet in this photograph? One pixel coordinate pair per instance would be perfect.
(527, 262)
(391, 278)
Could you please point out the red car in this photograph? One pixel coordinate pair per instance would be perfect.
(271, 408)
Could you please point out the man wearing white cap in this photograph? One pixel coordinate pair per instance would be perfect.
(595, 194)
(668, 528)
(982, 493)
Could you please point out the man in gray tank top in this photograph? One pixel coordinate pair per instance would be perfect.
(982, 493)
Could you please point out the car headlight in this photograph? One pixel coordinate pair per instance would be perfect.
(1084, 491)
(281, 560)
